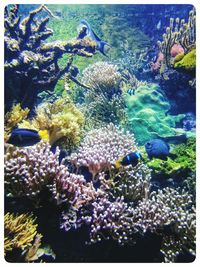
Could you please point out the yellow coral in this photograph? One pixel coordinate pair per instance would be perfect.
(13, 117)
(20, 231)
(60, 119)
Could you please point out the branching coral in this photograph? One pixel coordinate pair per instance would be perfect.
(29, 171)
(102, 77)
(147, 114)
(133, 183)
(20, 232)
(172, 209)
(179, 32)
(30, 62)
(61, 119)
(103, 99)
(13, 117)
(110, 220)
(101, 148)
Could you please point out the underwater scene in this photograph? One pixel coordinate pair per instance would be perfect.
(100, 133)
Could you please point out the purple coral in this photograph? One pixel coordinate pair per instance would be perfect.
(110, 220)
(102, 147)
(29, 170)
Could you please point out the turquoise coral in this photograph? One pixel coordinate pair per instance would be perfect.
(147, 114)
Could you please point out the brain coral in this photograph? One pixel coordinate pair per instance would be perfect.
(147, 114)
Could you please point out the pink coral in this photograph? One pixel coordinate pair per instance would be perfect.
(102, 147)
(176, 50)
(30, 170)
(156, 65)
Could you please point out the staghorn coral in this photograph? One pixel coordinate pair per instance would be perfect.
(110, 220)
(20, 232)
(173, 209)
(133, 183)
(12, 118)
(72, 188)
(101, 148)
(147, 114)
(29, 171)
(61, 119)
(32, 63)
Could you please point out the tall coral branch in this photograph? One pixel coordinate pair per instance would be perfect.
(30, 62)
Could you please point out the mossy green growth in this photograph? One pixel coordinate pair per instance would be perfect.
(188, 62)
(147, 114)
(181, 167)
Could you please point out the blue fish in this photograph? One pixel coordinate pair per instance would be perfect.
(26, 137)
(131, 159)
(157, 148)
(101, 46)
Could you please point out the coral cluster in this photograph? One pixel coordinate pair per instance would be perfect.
(20, 233)
(133, 183)
(103, 101)
(172, 209)
(101, 148)
(28, 171)
(103, 77)
(13, 117)
(110, 220)
(179, 33)
(61, 119)
(32, 63)
(147, 114)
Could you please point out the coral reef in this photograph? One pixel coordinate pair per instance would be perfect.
(32, 63)
(61, 119)
(101, 148)
(178, 33)
(110, 220)
(147, 114)
(181, 168)
(13, 117)
(102, 77)
(133, 183)
(172, 209)
(29, 171)
(103, 101)
(21, 234)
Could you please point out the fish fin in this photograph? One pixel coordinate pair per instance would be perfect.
(118, 164)
(44, 135)
(102, 45)
(97, 38)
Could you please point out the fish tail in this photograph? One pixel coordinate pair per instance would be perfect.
(44, 135)
(118, 164)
